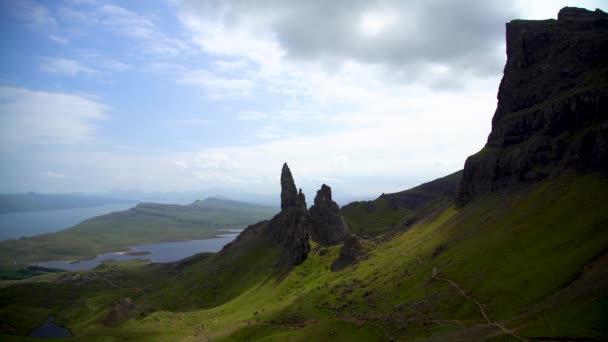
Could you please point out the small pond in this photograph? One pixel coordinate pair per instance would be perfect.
(49, 329)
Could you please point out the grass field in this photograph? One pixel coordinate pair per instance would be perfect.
(517, 264)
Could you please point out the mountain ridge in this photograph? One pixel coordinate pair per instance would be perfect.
(552, 112)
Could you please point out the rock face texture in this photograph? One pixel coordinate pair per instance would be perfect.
(326, 224)
(552, 112)
(351, 252)
(289, 227)
(289, 193)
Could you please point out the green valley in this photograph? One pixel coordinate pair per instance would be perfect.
(391, 294)
(144, 224)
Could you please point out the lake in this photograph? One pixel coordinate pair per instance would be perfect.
(158, 252)
(30, 223)
(49, 329)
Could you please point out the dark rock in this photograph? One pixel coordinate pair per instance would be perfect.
(327, 226)
(552, 112)
(121, 311)
(289, 194)
(290, 227)
(350, 253)
(287, 231)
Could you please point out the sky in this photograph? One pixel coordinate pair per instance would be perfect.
(368, 97)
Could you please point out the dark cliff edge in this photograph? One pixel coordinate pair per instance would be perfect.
(552, 112)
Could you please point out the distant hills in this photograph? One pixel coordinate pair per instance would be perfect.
(11, 203)
(145, 223)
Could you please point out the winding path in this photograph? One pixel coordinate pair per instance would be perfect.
(465, 295)
(106, 279)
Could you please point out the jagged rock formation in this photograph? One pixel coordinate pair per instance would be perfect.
(351, 252)
(289, 228)
(552, 112)
(326, 224)
(289, 193)
(287, 231)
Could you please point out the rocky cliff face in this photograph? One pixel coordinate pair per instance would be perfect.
(326, 224)
(290, 227)
(552, 112)
(289, 193)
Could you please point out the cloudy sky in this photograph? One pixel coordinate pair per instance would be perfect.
(366, 96)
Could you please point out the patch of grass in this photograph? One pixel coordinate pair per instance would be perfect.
(399, 210)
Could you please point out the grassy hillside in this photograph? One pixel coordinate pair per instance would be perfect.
(399, 210)
(144, 224)
(525, 263)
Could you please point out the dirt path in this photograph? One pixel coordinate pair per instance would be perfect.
(465, 295)
(106, 279)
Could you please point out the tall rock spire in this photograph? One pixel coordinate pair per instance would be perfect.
(289, 227)
(289, 193)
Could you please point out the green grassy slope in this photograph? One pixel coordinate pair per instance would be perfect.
(144, 224)
(393, 211)
(534, 259)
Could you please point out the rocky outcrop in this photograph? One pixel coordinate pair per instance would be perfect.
(552, 112)
(289, 228)
(287, 232)
(289, 193)
(350, 253)
(326, 224)
(123, 310)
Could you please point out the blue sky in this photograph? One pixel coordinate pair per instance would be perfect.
(368, 97)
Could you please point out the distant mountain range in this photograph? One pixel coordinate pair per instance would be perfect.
(31, 201)
(11, 203)
(145, 223)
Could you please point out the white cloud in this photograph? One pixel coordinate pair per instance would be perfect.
(59, 39)
(269, 132)
(39, 117)
(54, 175)
(216, 86)
(252, 116)
(36, 15)
(538, 10)
(140, 28)
(65, 66)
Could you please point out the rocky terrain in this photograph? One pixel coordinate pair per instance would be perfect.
(326, 224)
(552, 112)
(292, 227)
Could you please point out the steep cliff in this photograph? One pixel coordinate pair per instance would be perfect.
(552, 112)
(327, 226)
